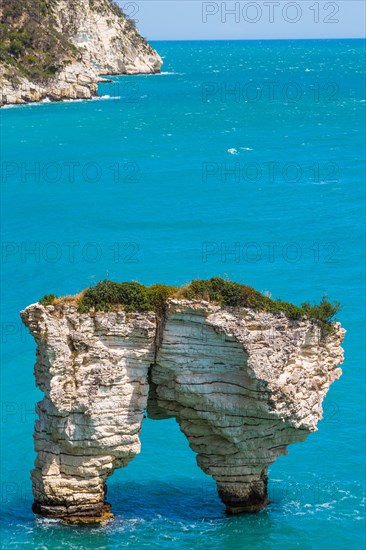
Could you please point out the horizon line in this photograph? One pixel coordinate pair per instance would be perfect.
(251, 39)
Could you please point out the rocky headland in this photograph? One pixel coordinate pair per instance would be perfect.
(58, 49)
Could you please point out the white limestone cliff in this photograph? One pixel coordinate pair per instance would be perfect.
(241, 384)
(105, 42)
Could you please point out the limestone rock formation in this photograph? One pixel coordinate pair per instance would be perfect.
(241, 384)
(78, 41)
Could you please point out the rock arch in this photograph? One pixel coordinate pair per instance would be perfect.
(241, 384)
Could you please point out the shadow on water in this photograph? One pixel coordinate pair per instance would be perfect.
(184, 501)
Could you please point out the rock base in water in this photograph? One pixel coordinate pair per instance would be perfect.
(75, 514)
(238, 500)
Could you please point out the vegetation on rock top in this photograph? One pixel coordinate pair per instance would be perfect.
(30, 42)
(135, 297)
(48, 300)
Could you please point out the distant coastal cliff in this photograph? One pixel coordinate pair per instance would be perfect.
(57, 49)
(242, 380)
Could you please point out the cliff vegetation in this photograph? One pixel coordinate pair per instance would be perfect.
(30, 42)
(107, 295)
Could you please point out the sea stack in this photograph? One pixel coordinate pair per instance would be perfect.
(242, 384)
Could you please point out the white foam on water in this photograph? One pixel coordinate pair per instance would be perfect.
(105, 97)
(73, 100)
(165, 73)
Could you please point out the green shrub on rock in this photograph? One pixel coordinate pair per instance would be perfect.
(134, 296)
(106, 294)
(47, 300)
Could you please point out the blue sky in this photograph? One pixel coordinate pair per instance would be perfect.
(260, 19)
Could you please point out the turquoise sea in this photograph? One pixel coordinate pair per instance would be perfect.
(242, 159)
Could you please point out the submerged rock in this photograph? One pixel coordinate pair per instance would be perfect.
(241, 384)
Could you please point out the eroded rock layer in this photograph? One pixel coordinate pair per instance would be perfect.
(93, 371)
(241, 384)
